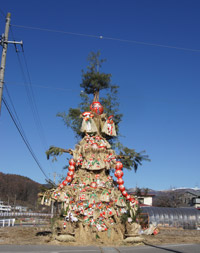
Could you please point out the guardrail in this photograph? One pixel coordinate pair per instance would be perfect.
(19, 214)
(9, 222)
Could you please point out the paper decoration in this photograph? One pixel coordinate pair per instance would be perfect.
(109, 127)
(88, 124)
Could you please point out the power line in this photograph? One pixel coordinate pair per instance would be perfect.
(41, 129)
(44, 87)
(30, 95)
(19, 123)
(154, 98)
(108, 38)
(24, 138)
(2, 13)
(57, 31)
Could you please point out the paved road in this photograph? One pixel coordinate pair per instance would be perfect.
(179, 248)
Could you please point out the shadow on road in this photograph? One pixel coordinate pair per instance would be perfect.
(166, 249)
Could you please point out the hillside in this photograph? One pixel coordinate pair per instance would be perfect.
(19, 190)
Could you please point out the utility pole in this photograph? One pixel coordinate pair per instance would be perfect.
(52, 202)
(4, 43)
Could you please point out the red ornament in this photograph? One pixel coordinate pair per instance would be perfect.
(124, 193)
(70, 173)
(156, 231)
(71, 168)
(93, 185)
(128, 197)
(65, 182)
(120, 180)
(69, 178)
(121, 187)
(61, 185)
(132, 200)
(72, 162)
(119, 173)
(118, 166)
(96, 107)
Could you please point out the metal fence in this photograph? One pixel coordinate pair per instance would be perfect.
(24, 214)
(8, 222)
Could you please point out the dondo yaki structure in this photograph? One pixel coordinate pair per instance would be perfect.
(91, 203)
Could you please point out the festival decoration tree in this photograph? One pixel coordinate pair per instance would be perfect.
(89, 196)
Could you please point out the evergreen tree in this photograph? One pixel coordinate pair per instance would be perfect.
(94, 81)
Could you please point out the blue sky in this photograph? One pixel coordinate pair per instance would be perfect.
(159, 86)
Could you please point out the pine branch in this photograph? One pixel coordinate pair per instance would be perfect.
(55, 151)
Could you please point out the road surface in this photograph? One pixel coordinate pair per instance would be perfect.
(178, 248)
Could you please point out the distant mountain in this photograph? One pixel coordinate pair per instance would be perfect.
(150, 191)
(19, 190)
(165, 192)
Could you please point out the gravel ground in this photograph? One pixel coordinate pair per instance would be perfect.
(41, 235)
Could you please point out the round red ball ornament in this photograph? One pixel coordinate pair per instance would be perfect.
(65, 182)
(121, 187)
(119, 173)
(96, 107)
(69, 178)
(124, 193)
(118, 166)
(72, 162)
(128, 197)
(70, 173)
(120, 180)
(71, 168)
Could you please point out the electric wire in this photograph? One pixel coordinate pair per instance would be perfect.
(25, 140)
(31, 97)
(15, 118)
(45, 87)
(15, 112)
(19, 127)
(136, 97)
(40, 126)
(41, 129)
(2, 13)
(108, 38)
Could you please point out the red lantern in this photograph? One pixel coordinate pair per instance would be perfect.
(61, 185)
(118, 166)
(65, 182)
(119, 173)
(96, 107)
(93, 185)
(128, 197)
(120, 180)
(69, 178)
(72, 162)
(124, 193)
(70, 173)
(121, 187)
(71, 168)
(132, 200)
